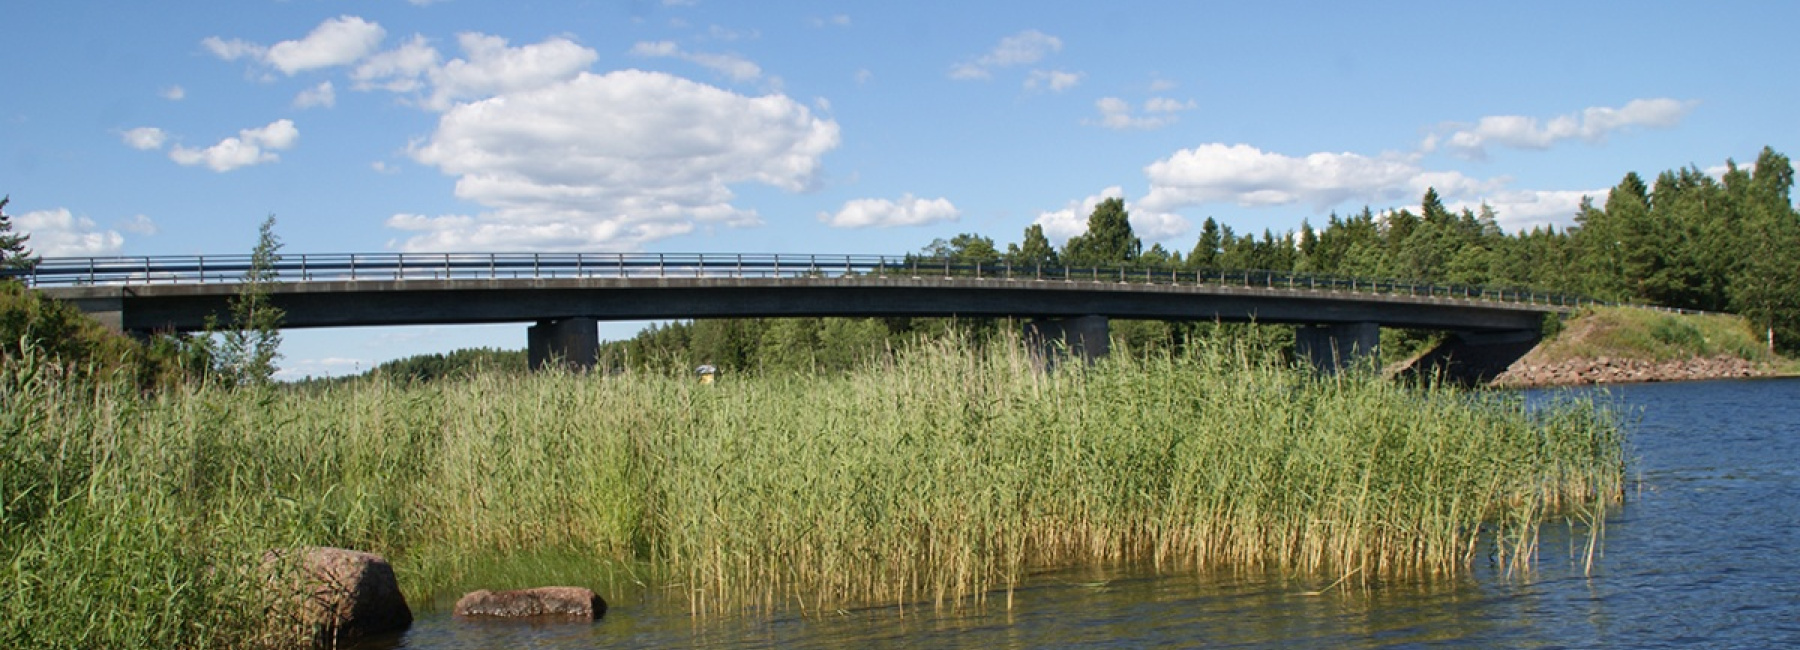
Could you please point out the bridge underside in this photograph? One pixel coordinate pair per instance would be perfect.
(1337, 327)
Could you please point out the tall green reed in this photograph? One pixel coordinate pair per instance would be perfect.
(943, 476)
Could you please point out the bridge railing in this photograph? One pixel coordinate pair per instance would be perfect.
(327, 267)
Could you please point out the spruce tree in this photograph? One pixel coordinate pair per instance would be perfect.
(13, 253)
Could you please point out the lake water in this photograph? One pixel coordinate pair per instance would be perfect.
(1705, 553)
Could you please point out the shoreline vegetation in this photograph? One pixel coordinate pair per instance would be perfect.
(939, 477)
(1606, 345)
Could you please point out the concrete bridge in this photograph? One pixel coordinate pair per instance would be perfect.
(566, 295)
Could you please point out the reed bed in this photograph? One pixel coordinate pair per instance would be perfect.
(941, 478)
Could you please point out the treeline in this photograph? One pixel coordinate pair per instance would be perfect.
(1687, 240)
(1684, 240)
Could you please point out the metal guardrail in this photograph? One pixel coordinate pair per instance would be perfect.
(336, 267)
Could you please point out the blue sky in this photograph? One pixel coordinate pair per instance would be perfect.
(710, 126)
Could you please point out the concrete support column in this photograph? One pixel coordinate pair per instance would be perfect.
(107, 308)
(1085, 337)
(1331, 348)
(572, 342)
(1474, 358)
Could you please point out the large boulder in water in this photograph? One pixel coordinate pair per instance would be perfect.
(333, 595)
(559, 602)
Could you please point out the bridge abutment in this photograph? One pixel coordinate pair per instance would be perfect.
(1331, 348)
(1085, 337)
(1474, 358)
(572, 342)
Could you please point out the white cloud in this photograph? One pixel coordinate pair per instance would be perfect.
(1162, 86)
(882, 213)
(1024, 48)
(1245, 175)
(250, 147)
(1516, 210)
(1054, 80)
(58, 233)
(837, 20)
(138, 225)
(336, 41)
(492, 68)
(234, 49)
(1159, 112)
(1149, 225)
(612, 160)
(864, 75)
(321, 95)
(731, 66)
(1591, 125)
(489, 67)
(173, 93)
(145, 138)
(400, 70)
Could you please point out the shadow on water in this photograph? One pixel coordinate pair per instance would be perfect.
(1703, 553)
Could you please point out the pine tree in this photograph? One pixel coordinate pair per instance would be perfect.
(13, 253)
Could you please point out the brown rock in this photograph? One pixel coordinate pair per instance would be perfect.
(328, 596)
(562, 602)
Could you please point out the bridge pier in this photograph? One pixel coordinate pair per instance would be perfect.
(572, 342)
(1331, 348)
(1085, 337)
(1474, 358)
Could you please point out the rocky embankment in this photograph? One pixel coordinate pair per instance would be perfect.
(1604, 370)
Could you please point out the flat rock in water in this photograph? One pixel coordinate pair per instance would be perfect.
(560, 602)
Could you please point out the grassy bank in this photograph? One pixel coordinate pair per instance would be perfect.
(942, 477)
(1644, 334)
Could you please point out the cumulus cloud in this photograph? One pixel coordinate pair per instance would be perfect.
(1053, 80)
(250, 147)
(1024, 48)
(731, 66)
(1247, 176)
(321, 95)
(1158, 112)
(173, 93)
(59, 233)
(1520, 132)
(145, 138)
(336, 41)
(401, 70)
(612, 160)
(882, 213)
(490, 67)
(1149, 225)
(1516, 210)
